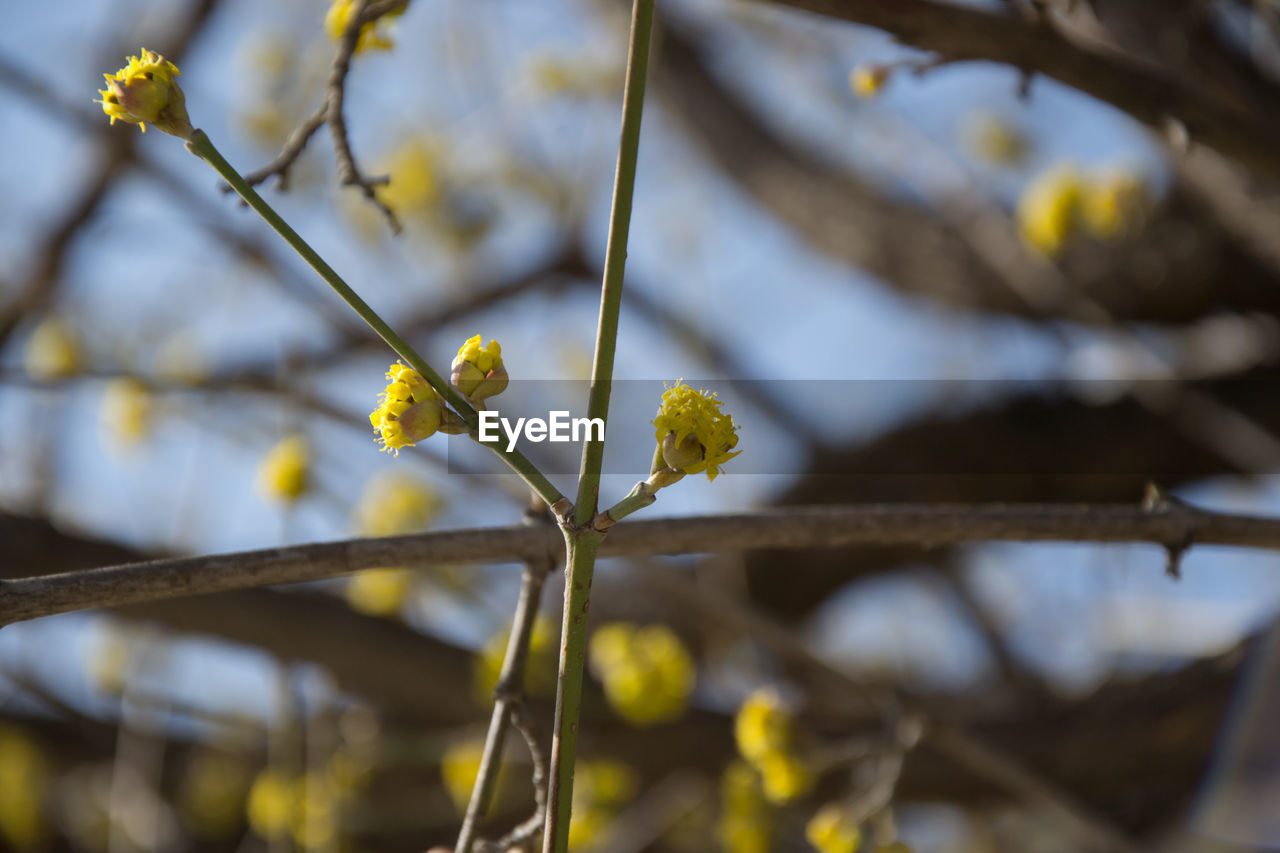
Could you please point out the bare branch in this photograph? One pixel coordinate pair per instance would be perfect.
(1169, 525)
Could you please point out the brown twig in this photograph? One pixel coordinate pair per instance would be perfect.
(330, 113)
(509, 691)
(792, 527)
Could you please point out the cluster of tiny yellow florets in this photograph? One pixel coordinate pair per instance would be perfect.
(393, 503)
(764, 732)
(646, 671)
(693, 434)
(409, 410)
(478, 371)
(146, 91)
(371, 37)
(1063, 201)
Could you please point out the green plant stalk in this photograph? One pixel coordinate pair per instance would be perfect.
(582, 541)
(582, 549)
(201, 146)
(615, 258)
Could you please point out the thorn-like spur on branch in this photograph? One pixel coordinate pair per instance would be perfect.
(791, 527)
(331, 113)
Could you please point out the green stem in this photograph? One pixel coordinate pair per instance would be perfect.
(201, 146)
(615, 259)
(582, 548)
(582, 541)
(640, 496)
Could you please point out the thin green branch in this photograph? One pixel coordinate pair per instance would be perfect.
(615, 259)
(582, 541)
(203, 147)
(582, 550)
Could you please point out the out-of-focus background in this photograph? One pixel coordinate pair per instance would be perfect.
(909, 279)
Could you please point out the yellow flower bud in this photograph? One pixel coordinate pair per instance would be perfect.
(478, 371)
(783, 776)
(1115, 205)
(146, 92)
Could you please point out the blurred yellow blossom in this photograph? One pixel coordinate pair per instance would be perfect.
(414, 172)
(762, 725)
(746, 817)
(600, 788)
(692, 433)
(395, 503)
(379, 592)
(993, 139)
(315, 816)
(459, 767)
(763, 731)
(126, 410)
(52, 351)
(285, 470)
(866, 81)
(1115, 204)
(146, 91)
(540, 667)
(646, 671)
(24, 776)
(270, 805)
(1049, 209)
(832, 831)
(783, 776)
(371, 37)
(213, 793)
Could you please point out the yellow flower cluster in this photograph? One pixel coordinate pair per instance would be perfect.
(146, 91)
(285, 472)
(540, 667)
(478, 371)
(763, 729)
(646, 671)
(866, 81)
(600, 789)
(692, 433)
(1062, 201)
(831, 830)
(409, 410)
(370, 38)
(746, 817)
